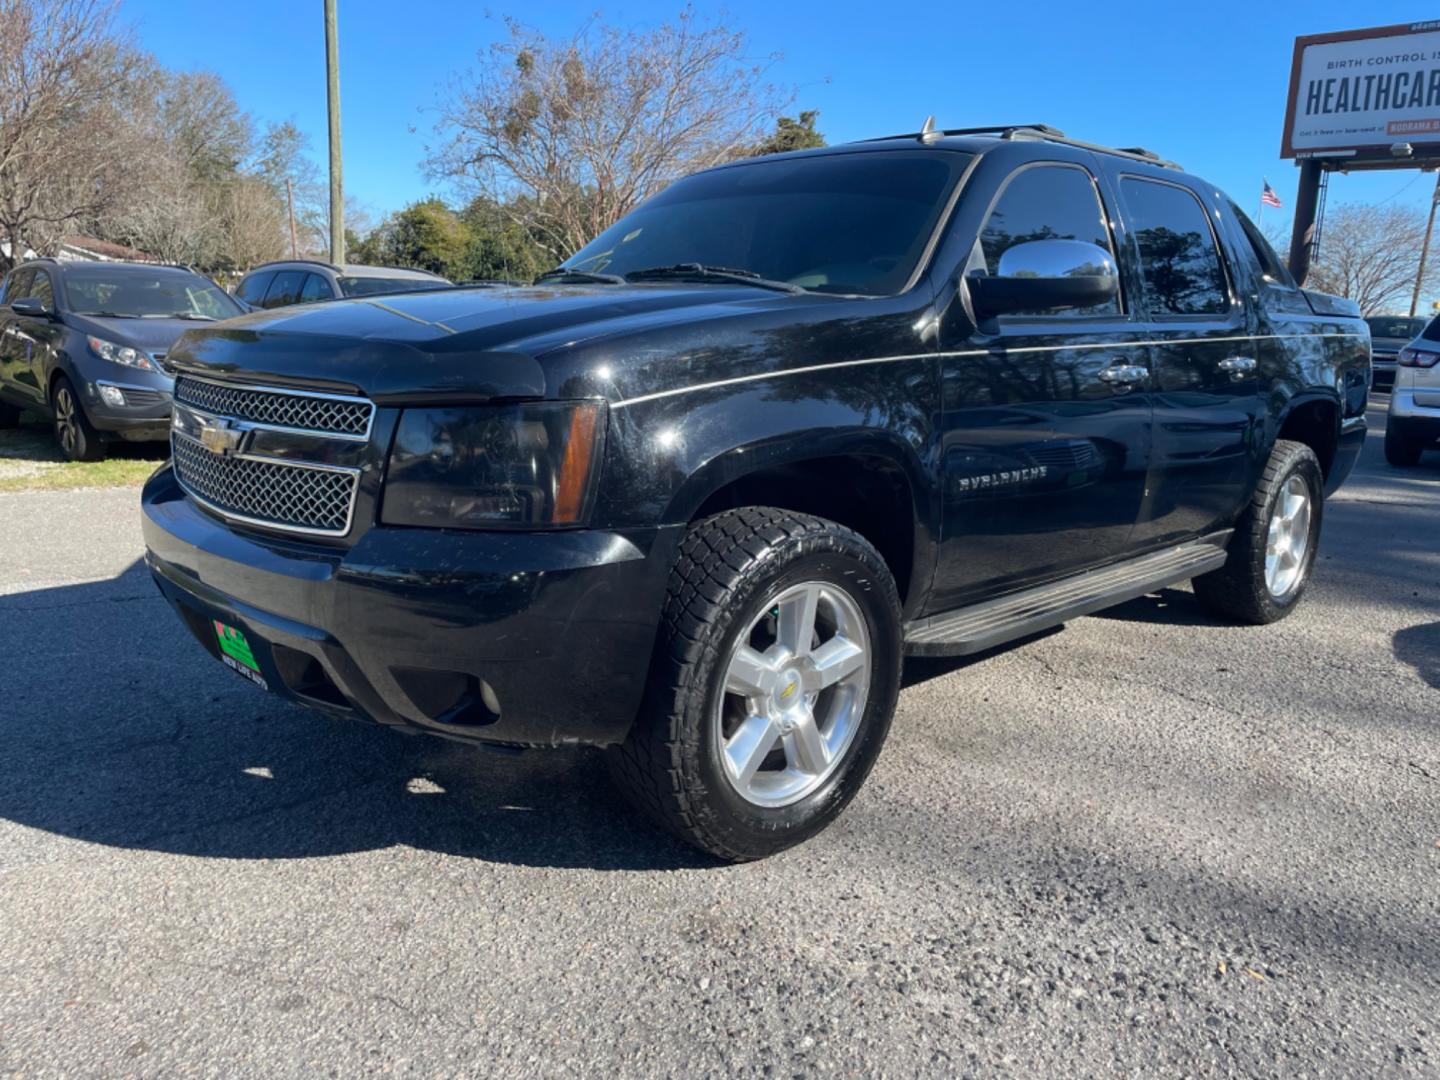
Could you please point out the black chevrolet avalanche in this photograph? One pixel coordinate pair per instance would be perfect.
(693, 495)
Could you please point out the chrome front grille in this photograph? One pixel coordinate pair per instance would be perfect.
(291, 410)
(272, 492)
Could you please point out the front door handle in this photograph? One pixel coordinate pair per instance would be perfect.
(1238, 366)
(1124, 374)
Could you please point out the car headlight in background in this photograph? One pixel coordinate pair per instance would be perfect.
(494, 466)
(120, 354)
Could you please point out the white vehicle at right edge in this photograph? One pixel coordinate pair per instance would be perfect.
(1413, 425)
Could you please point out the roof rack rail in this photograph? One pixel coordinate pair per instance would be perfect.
(929, 133)
(308, 262)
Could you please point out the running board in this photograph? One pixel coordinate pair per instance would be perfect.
(993, 622)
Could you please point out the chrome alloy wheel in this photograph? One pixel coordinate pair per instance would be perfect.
(796, 683)
(66, 425)
(1289, 539)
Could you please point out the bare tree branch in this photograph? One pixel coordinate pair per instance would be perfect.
(568, 136)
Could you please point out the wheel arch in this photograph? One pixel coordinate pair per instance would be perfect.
(869, 481)
(1313, 418)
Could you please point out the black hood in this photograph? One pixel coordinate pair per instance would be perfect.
(456, 343)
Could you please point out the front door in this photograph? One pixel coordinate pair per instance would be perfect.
(1046, 416)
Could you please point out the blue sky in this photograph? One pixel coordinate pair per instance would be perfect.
(1204, 86)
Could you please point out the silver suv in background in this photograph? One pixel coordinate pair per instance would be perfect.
(1413, 424)
(1388, 335)
(304, 281)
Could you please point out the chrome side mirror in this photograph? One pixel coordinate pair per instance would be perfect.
(1045, 275)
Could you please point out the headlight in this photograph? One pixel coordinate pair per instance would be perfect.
(494, 467)
(120, 354)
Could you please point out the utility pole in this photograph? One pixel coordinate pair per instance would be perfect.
(337, 190)
(290, 200)
(1425, 249)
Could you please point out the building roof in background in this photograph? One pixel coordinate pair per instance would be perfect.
(76, 246)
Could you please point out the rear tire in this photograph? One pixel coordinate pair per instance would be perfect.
(743, 747)
(1273, 549)
(1401, 448)
(9, 416)
(79, 441)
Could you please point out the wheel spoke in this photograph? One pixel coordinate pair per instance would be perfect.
(805, 747)
(748, 747)
(833, 661)
(749, 673)
(796, 631)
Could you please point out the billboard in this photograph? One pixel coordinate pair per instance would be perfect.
(1359, 92)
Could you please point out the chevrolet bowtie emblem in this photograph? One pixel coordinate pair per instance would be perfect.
(220, 437)
(789, 690)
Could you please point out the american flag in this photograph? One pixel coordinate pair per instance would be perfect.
(1269, 198)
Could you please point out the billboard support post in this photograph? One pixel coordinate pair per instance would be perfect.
(1302, 233)
(1425, 250)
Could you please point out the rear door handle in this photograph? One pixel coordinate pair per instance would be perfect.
(1124, 374)
(1238, 365)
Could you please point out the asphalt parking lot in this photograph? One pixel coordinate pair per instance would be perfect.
(1147, 844)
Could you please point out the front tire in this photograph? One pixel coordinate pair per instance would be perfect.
(9, 416)
(79, 441)
(774, 678)
(1273, 549)
(1401, 448)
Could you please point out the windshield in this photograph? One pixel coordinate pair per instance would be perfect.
(370, 286)
(1389, 326)
(840, 223)
(147, 295)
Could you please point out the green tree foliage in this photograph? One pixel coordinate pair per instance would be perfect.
(791, 134)
(426, 235)
(500, 247)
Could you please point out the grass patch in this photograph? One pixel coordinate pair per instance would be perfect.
(30, 460)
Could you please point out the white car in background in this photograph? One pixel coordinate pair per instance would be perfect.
(1413, 425)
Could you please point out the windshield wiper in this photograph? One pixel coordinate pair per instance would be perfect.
(107, 314)
(582, 277)
(701, 272)
(195, 315)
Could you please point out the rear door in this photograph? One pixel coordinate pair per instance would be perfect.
(1208, 368)
(1046, 419)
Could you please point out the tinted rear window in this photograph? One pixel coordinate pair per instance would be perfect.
(1390, 326)
(841, 223)
(1432, 330)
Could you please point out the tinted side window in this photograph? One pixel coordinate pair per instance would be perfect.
(41, 289)
(285, 289)
(315, 288)
(1178, 258)
(1047, 202)
(252, 289)
(1270, 263)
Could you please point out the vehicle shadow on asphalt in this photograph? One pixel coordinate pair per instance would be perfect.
(1419, 646)
(121, 730)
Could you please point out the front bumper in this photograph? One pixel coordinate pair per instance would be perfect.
(129, 410)
(406, 626)
(1382, 370)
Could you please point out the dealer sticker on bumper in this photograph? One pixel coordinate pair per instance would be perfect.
(236, 655)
